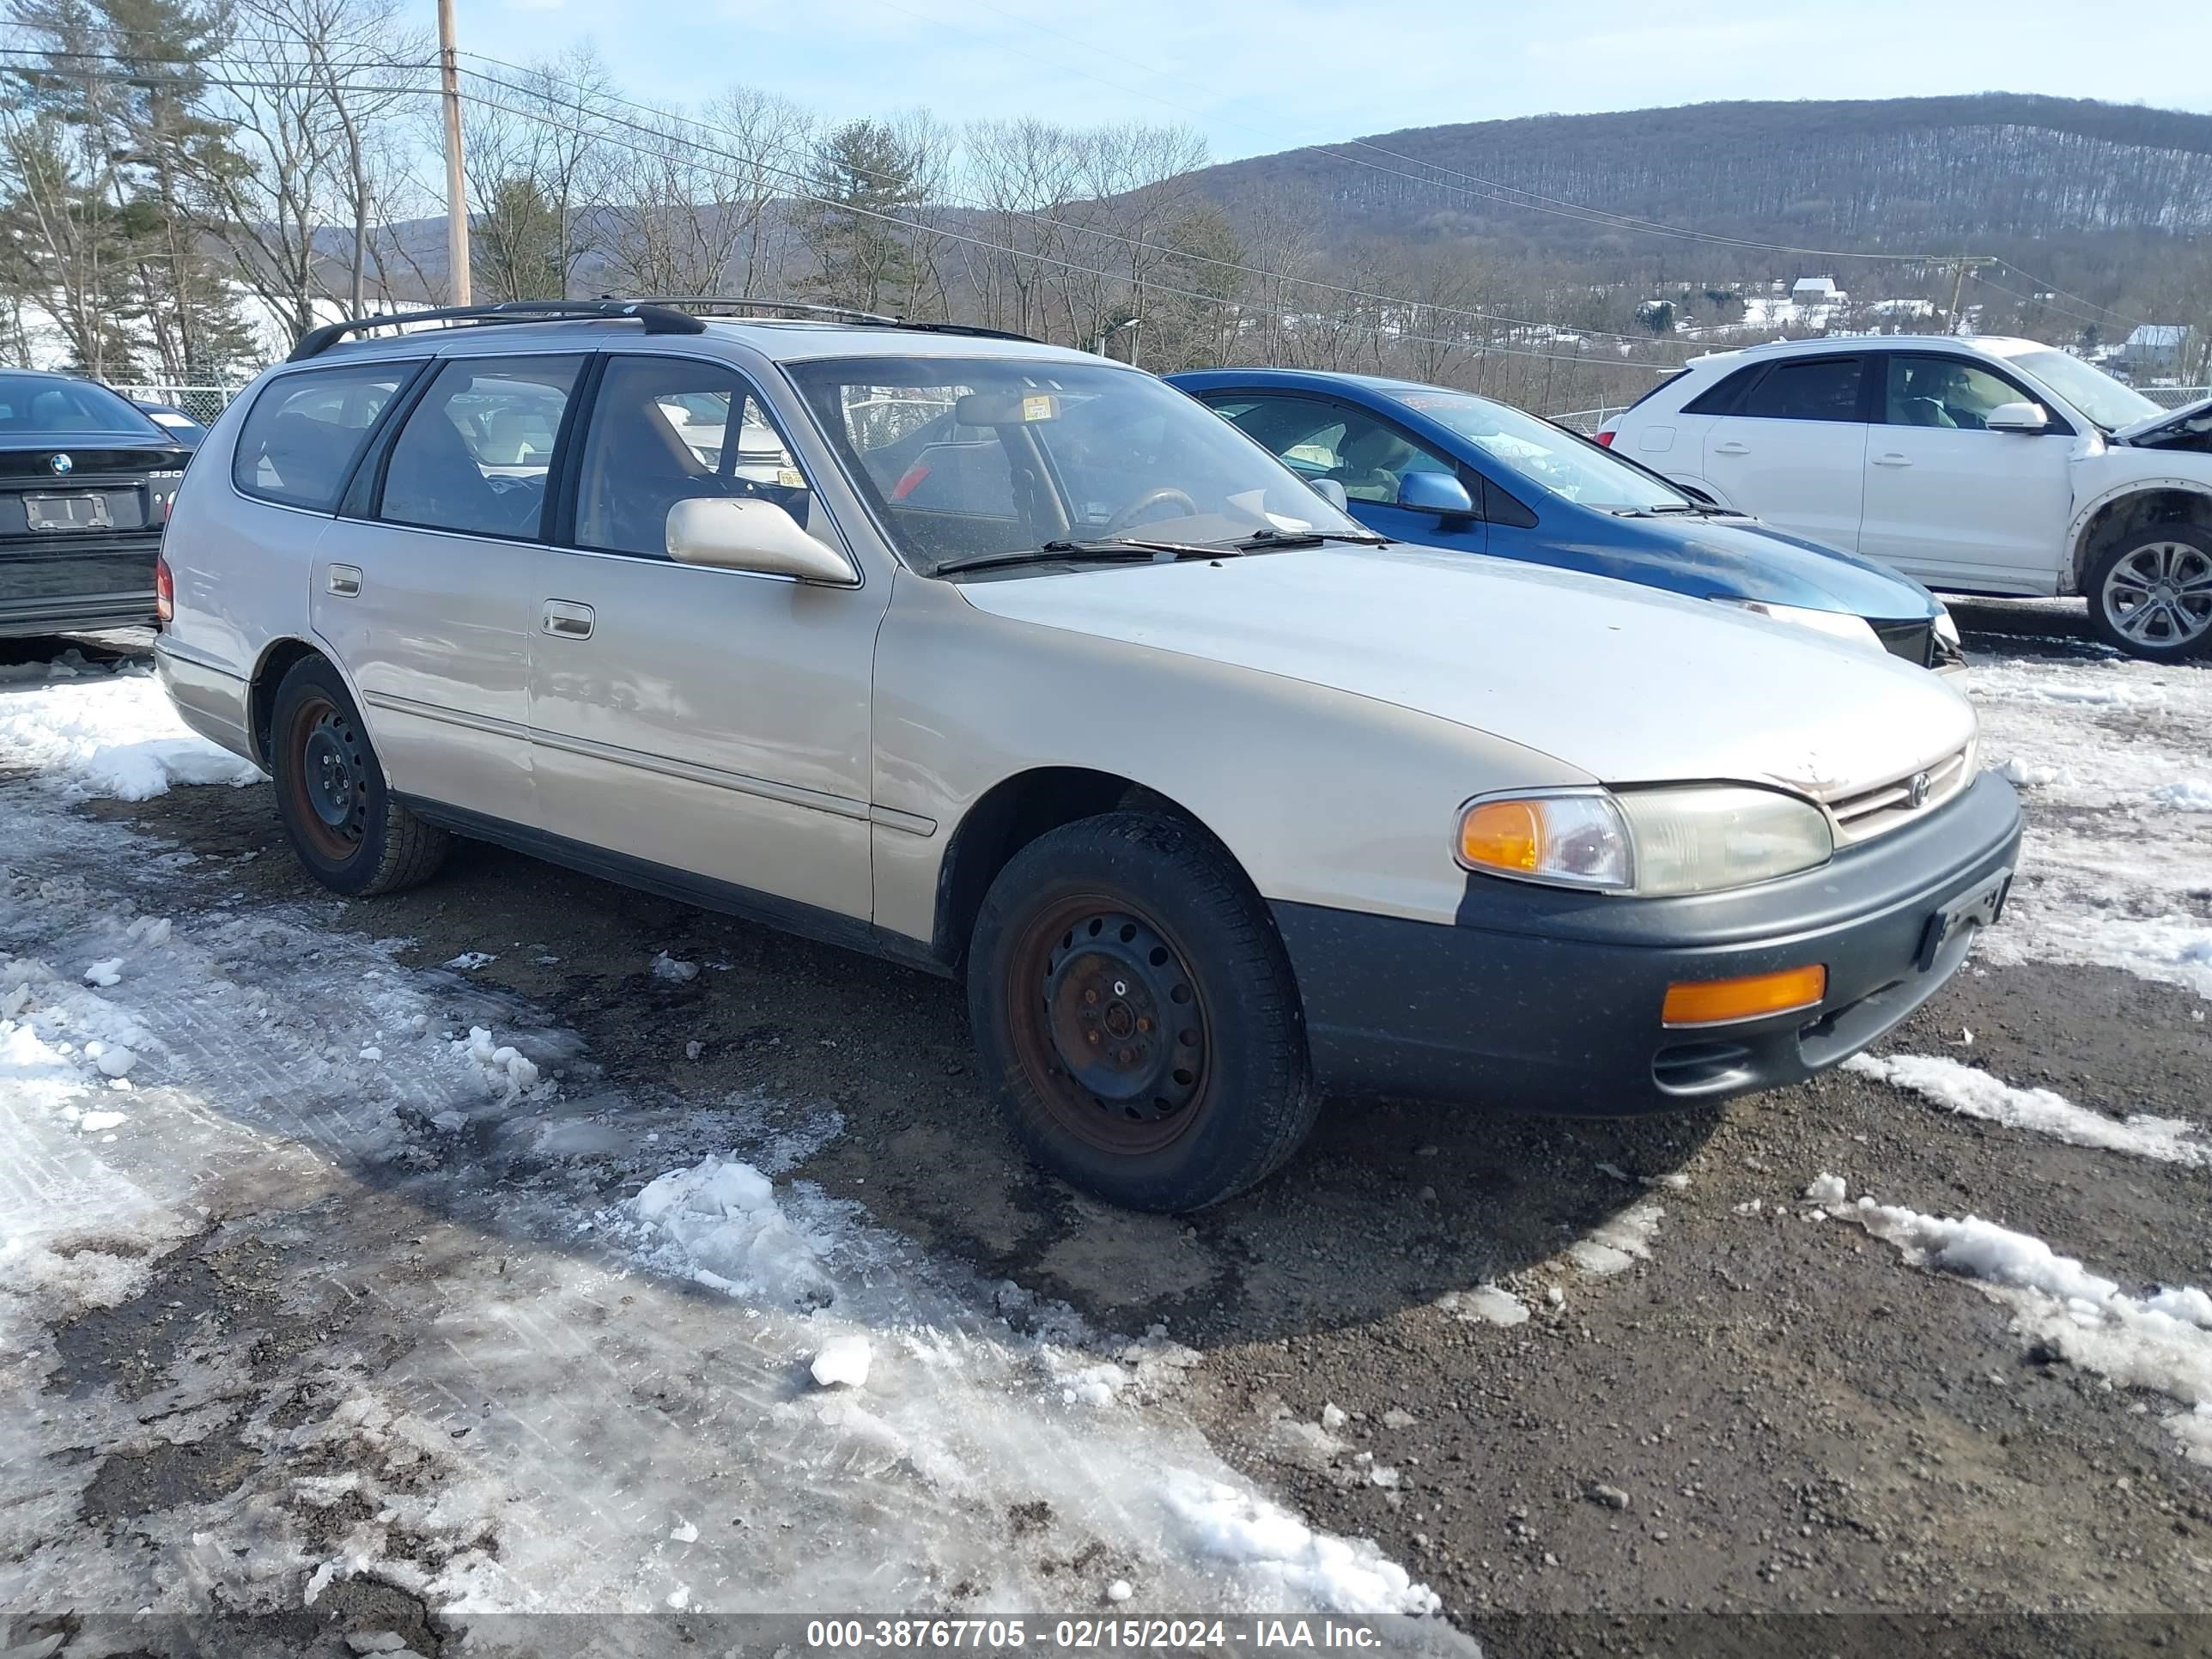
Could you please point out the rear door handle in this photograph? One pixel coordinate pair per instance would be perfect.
(1891, 459)
(567, 620)
(1731, 448)
(344, 580)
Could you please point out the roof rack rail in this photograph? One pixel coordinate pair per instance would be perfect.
(827, 313)
(657, 320)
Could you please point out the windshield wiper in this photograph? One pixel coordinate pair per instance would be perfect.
(1260, 539)
(1113, 548)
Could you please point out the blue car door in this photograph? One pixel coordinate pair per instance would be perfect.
(1321, 438)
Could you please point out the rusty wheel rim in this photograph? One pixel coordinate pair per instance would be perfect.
(1109, 1024)
(331, 765)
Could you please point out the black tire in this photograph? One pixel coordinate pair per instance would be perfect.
(341, 818)
(1100, 928)
(2151, 592)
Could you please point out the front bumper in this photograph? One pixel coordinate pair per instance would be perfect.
(1541, 999)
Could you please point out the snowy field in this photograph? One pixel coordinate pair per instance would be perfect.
(344, 1293)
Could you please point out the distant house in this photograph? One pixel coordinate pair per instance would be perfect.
(2155, 348)
(1817, 291)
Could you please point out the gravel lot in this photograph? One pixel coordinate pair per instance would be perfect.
(1714, 1393)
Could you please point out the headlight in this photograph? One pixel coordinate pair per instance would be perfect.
(1836, 624)
(1695, 838)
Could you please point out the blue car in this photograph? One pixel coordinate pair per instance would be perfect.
(1448, 469)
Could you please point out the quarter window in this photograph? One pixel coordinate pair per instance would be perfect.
(305, 430)
(1944, 392)
(670, 429)
(475, 453)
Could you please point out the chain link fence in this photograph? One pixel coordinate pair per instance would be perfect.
(202, 403)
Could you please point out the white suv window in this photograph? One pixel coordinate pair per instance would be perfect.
(1815, 389)
(1942, 392)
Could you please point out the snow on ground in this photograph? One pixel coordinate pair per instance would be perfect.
(2160, 1341)
(1974, 1093)
(100, 731)
(622, 1364)
(2116, 868)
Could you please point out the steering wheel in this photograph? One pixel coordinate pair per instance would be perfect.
(1127, 516)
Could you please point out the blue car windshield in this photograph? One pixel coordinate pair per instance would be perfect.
(1555, 460)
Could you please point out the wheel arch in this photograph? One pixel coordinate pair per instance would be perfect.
(278, 658)
(1013, 812)
(2131, 508)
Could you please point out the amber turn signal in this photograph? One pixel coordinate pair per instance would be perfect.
(1719, 1001)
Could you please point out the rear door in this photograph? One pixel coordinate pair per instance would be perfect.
(1787, 444)
(1955, 504)
(425, 585)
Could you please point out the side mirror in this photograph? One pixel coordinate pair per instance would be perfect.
(1332, 492)
(734, 533)
(2021, 417)
(1434, 492)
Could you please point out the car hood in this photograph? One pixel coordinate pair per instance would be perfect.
(2152, 429)
(1624, 684)
(1744, 559)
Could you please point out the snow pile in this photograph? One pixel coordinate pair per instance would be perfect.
(112, 734)
(669, 967)
(842, 1362)
(2161, 1341)
(1488, 1305)
(506, 1071)
(718, 1225)
(1973, 1093)
(1619, 1243)
(1827, 1189)
(2185, 794)
(1344, 1576)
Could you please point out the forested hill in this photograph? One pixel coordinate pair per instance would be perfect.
(1901, 173)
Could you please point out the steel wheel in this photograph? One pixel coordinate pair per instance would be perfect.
(1109, 1026)
(2159, 595)
(330, 779)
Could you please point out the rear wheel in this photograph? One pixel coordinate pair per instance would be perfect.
(331, 795)
(2150, 595)
(1134, 1005)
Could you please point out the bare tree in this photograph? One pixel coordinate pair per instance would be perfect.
(545, 149)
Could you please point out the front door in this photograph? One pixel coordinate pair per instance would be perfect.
(1788, 446)
(422, 586)
(710, 724)
(1955, 504)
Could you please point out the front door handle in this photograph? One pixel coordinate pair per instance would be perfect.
(1891, 459)
(344, 580)
(566, 620)
(1731, 448)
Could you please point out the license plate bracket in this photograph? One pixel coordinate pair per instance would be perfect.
(1980, 907)
(80, 511)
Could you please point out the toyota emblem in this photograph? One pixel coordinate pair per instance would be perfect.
(1916, 793)
(61, 464)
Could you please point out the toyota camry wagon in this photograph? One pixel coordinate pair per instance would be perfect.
(1016, 664)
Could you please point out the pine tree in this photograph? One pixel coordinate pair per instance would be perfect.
(866, 180)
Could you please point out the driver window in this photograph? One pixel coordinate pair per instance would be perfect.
(1366, 454)
(474, 453)
(669, 429)
(1944, 392)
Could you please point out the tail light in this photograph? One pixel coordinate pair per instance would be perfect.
(1604, 437)
(165, 593)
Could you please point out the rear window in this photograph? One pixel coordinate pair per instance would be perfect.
(305, 430)
(32, 405)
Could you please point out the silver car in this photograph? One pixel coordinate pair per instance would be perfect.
(1018, 664)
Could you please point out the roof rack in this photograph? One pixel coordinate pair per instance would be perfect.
(657, 320)
(826, 313)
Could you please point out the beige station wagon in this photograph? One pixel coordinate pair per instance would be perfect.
(1015, 664)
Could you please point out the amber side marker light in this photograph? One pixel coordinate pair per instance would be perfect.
(1720, 1001)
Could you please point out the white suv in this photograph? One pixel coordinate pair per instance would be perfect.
(1979, 465)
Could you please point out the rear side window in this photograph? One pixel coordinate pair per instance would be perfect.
(1805, 389)
(305, 431)
(475, 453)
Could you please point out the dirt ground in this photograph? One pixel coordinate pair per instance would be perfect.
(1733, 1411)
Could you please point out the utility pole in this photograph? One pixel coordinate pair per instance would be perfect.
(457, 190)
(1958, 283)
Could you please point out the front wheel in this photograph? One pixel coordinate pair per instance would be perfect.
(1133, 1003)
(2150, 595)
(338, 813)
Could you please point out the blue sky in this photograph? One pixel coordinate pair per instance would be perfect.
(1259, 78)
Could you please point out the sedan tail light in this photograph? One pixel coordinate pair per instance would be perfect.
(165, 593)
(1604, 437)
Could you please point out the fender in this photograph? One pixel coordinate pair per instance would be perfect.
(2069, 576)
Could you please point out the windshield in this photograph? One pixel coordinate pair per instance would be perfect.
(962, 458)
(33, 405)
(1543, 455)
(2090, 390)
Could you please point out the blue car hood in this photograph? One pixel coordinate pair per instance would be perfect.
(1741, 559)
